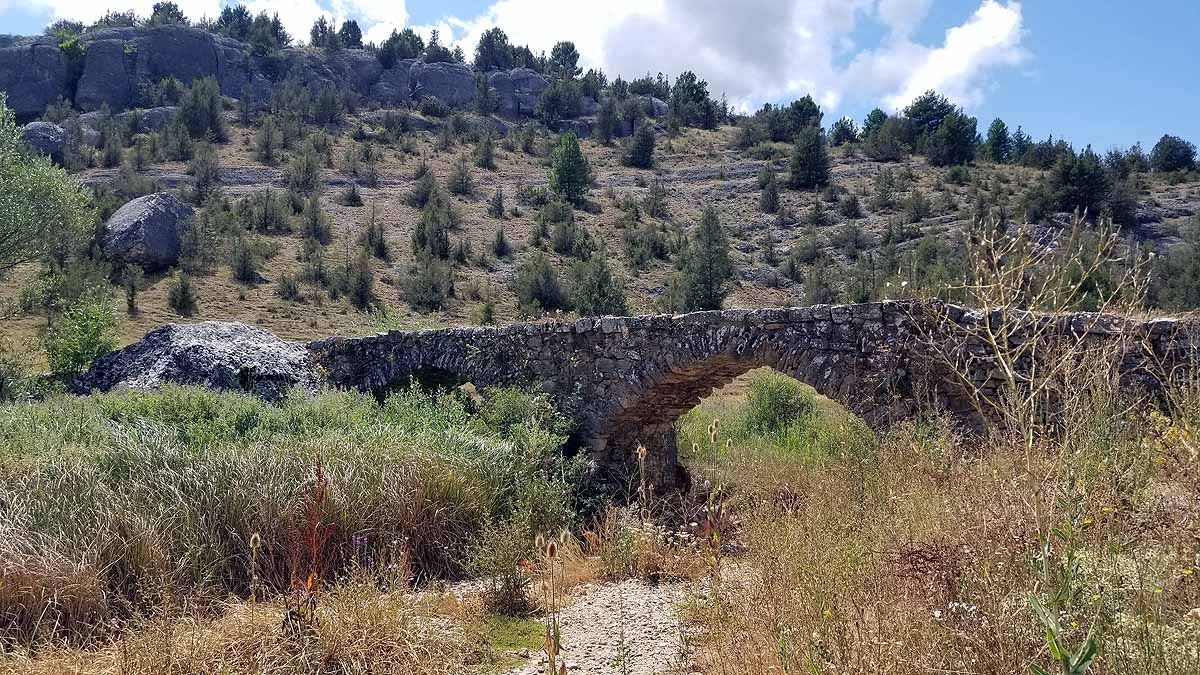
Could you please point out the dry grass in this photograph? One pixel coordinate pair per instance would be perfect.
(922, 552)
(359, 627)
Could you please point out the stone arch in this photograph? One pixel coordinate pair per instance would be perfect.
(648, 411)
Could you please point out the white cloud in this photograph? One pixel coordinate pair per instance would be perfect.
(767, 50)
(990, 38)
(903, 16)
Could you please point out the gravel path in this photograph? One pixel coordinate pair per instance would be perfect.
(630, 628)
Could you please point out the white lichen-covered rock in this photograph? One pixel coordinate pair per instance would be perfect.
(220, 355)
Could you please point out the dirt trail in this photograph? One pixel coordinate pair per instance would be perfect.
(630, 628)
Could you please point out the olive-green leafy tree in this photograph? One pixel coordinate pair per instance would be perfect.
(39, 203)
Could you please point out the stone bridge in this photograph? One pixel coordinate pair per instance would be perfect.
(626, 380)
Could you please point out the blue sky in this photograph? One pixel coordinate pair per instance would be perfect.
(1104, 73)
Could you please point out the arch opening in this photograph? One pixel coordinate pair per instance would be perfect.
(649, 417)
(762, 415)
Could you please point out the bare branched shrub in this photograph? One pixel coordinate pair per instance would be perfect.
(1023, 355)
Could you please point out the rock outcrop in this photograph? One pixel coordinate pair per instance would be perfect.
(147, 231)
(517, 90)
(451, 83)
(117, 65)
(394, 87)
(33, 72)
(106, 79)
(225, 356)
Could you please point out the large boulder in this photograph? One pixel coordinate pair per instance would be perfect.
(147, 231)
(451, 83)
(33, 74)
(394, 86)
(656, 106)
(152, 119)
(45, 138)
(106, 79)
(517, 90)
(226, 356)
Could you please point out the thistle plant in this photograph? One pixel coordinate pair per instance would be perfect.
(552, 581)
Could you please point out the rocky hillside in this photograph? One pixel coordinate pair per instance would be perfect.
(877, 230)
(111, 68)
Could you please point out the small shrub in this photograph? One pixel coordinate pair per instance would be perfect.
(500, 246)
(485, 152)
(639, 151)
(288, 288)
(460, 181)
(423, 191)
(777, 402)
(180, 296)
(429, 284)
(82, 334)
(537, 286)
(350, 196)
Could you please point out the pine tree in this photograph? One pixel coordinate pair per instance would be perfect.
(596, 290)
(809, 166)
(485, 153)
(768, 201)
(639, 152)
(569, 171)
(500, 246)
(460, 182)
(607, 122)
(998, 143)
(496, 205)
(706, 265)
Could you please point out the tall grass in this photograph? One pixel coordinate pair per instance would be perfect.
(113, 505)
(923, 551)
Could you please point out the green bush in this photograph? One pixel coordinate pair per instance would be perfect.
(200, 110)
(768, 199)
(82, 334)
(180, 296)
(460, 181)
(595, 290)
(1172, 153)
(775, 403)
(497, 556)
(537, 286)
(639, 151)
(429, 284)
(41, 204)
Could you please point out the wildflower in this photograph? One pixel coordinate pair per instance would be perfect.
(1188, 572)
(1087, 521)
